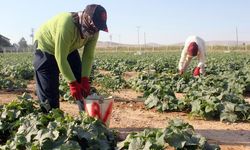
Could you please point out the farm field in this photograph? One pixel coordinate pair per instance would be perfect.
(149, 93)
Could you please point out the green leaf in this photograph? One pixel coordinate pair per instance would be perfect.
(196, 106)
(81, 133)
(151, 101)
(176, 140)
(161, 139)
(148, 145)
(136, 144)
(20, 141)
(45, 135)
(229, 107)
(209, 109)
(231, 117)
(70, 145)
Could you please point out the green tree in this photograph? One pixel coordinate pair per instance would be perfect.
(22, 44)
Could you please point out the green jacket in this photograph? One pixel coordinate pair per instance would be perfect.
(59, 36)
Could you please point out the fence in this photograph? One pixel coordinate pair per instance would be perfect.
(169, 48)
(136, 48)
(123, 48)
(13, 49)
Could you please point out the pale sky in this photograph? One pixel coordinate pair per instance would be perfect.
(159, 21)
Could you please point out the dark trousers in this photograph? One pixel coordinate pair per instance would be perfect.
(47, 77)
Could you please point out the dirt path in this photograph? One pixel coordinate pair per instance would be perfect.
(132, 116)
(129, 114)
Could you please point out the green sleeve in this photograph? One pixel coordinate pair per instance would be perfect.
(88, 55)
(63, 40)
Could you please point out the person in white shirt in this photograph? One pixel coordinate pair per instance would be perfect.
(194, 46)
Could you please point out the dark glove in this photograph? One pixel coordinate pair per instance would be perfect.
(75, 90)
(85, 86)
(196, 71)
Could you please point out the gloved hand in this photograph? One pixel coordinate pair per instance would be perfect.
(85, 86)
(76, 90)
(196, 71)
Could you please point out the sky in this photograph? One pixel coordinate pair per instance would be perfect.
(156, 21)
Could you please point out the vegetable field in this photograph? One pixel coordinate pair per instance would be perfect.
(155, 107)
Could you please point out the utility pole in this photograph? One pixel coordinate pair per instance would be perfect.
(110, 39)
(32, 36)
(145, 39)
(119, 37)
(237, 41)
(138, 35)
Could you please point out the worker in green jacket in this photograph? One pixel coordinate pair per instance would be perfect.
(57, 42)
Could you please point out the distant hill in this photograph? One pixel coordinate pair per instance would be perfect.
(230, 43)
(107, 43)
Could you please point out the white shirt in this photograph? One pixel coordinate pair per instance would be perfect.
(185, 60)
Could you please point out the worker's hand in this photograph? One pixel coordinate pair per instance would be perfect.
(181, 72)
(196, 71)
(85, 86)
(75, 90)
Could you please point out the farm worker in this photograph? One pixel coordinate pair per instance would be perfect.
(58, 41)
(194, 46)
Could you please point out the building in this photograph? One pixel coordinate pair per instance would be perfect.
(5, 45)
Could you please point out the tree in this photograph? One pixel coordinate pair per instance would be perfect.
(22, 44)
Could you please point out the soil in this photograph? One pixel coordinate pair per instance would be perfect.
(130, 115)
